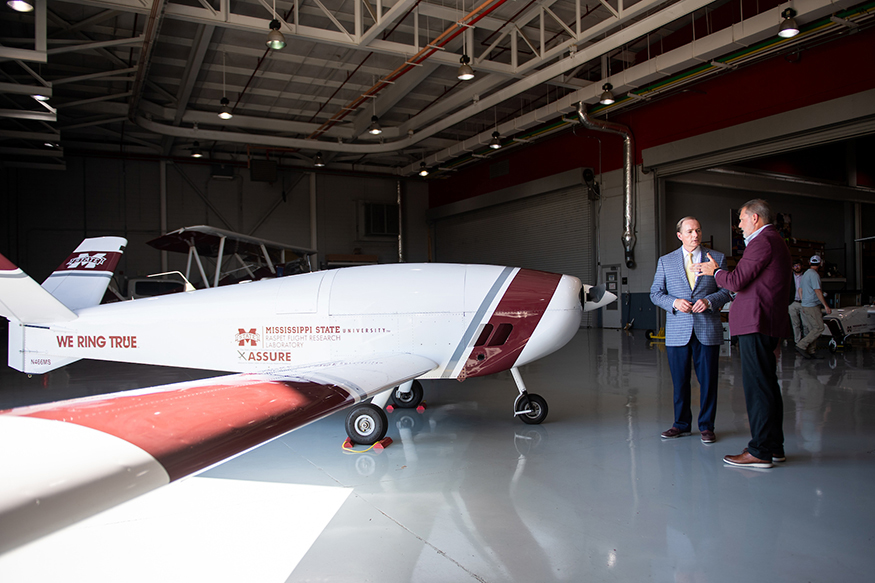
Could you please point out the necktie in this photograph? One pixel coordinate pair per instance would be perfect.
(691, 276)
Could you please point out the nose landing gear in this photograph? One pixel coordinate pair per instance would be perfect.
(529, 407)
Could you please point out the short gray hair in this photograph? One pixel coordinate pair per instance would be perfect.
(680, 224)
(760, 208)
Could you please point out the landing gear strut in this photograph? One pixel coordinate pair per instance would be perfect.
(529, 407)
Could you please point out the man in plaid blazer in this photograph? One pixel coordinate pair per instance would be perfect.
(693, 332)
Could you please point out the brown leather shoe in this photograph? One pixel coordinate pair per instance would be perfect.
(746, 460)
(674, 432)
(708, 436)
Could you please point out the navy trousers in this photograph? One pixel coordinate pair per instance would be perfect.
(681, 359)
(762, 395)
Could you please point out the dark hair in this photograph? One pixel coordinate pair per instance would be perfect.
(681, 222)
(760, 208)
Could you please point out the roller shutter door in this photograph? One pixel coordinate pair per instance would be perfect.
(550, 232)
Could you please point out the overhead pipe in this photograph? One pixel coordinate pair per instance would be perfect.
(628, 184)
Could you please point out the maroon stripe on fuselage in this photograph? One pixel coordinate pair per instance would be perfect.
(522, 306)
(193, 427)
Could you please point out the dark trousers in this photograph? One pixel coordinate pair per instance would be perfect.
(762, 395)
(705, 359)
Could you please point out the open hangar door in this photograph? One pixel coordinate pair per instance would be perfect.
(821, 180)
(552, 231)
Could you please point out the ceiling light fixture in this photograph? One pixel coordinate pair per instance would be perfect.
(40, 97)
(607, 97)
(788, 28)
(225, 112)
(275, 39)
(318, 162)
(466, 73)
(196, 150)
(495, 144)
(20, 5)
(375, 128)
(423, 171)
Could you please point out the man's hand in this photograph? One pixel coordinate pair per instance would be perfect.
(706, 268)
(682, 305)
(701, 305)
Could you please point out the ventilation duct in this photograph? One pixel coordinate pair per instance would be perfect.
(628, 184)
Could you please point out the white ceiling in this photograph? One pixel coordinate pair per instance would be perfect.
(130, 77)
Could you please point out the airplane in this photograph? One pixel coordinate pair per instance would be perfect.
(302, 347)
(844, 322)
(255, 257)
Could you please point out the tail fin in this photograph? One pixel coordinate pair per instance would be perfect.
(22, 299)
(81, 280)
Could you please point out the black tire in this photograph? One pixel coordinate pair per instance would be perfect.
(649, 334)
(536, 404)
(366, 424)
(411, 400)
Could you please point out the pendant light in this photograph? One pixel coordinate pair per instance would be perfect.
(225, 112)
(20, 5)
(789, 28)
(374, 128)
(318, 161)
(495, 144)
(607, 97)
(465, 73)
(196, 150)
(423, 171)
(275, 39)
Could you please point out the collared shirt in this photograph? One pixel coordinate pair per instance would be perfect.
(753, 235)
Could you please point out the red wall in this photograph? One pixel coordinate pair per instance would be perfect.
(836, 69)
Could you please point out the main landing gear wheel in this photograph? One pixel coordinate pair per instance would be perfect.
(366, 424)
(530, 408)
(833, 345)
(409, 400)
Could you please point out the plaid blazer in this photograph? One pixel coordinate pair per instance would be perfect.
(670, 283)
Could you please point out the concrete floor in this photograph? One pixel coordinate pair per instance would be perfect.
(467, 493)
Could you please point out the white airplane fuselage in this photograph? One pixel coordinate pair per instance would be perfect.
(470, 319)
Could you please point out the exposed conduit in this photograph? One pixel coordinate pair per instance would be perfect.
(628, 184)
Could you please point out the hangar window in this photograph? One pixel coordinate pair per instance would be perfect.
(380, 219)
(484, 335)
(501, 334)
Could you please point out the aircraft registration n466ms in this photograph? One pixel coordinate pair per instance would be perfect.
(303, 346)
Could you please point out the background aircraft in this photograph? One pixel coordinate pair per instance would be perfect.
(305, 345)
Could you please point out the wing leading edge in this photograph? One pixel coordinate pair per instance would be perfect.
(86, 455)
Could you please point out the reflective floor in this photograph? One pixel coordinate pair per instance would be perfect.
(467, 493)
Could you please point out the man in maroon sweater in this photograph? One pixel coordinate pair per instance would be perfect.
(758, 318)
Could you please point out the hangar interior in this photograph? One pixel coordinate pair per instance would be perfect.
(722, 111)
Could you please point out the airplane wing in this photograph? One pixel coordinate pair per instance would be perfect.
(68, 460)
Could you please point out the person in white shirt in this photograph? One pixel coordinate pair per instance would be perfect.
(795, 308)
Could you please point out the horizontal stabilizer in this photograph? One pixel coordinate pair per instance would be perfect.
(22, 299)
(81, 280)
